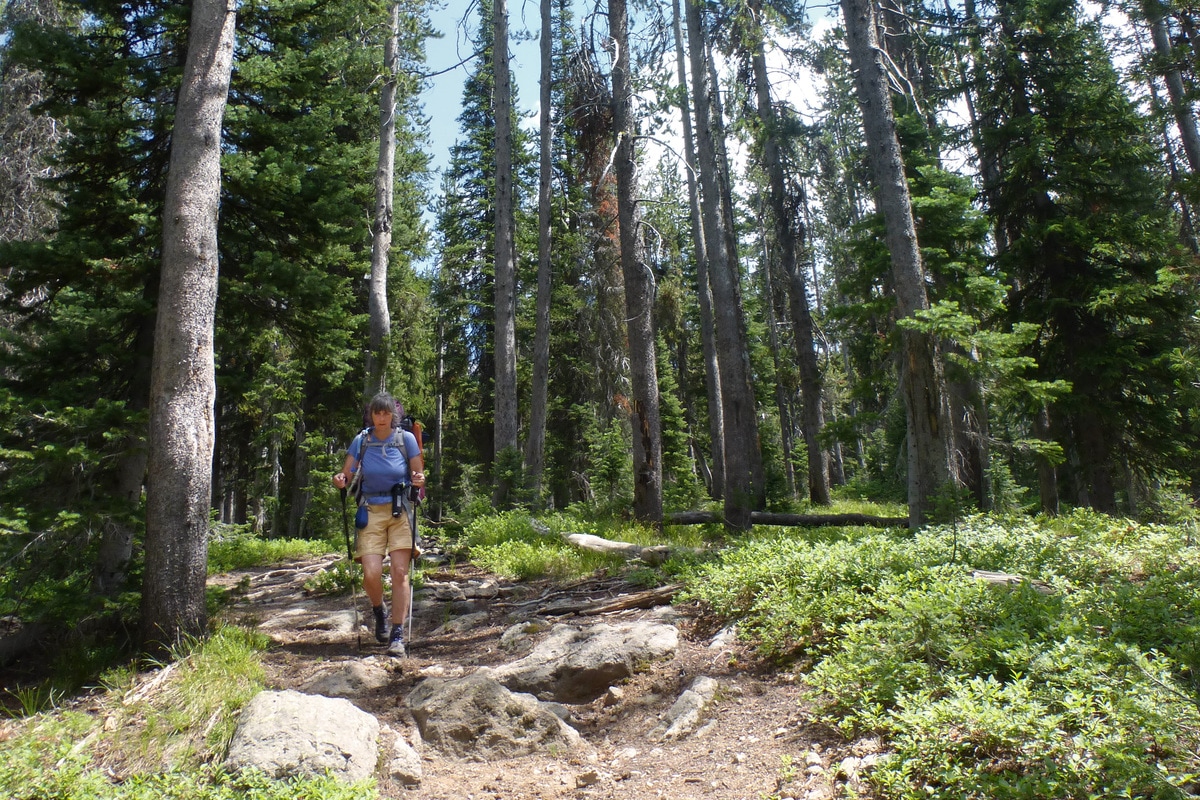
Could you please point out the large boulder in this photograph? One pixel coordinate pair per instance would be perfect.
(577, 665)
(477, 719)
(288, 733)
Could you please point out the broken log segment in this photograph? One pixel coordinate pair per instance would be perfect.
(652, 555)
(1006, 579)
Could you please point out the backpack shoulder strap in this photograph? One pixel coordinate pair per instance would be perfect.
(356, 482)
(399, 441)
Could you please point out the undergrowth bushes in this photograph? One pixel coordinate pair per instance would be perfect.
(167, 729)
(513, 545)
(1080, 681)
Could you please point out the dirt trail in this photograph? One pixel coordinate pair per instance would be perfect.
(756, 743)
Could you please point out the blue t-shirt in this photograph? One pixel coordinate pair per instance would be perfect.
(384, 464)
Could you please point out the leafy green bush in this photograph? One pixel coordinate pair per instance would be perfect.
(516, 545)
(1084, 685)
(237, 547)
(792, 596)
(337, 579)
(510, 545)
(1116, 735)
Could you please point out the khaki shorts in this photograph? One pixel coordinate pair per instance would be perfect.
(383, 533)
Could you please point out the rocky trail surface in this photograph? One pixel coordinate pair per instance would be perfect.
(693, 718)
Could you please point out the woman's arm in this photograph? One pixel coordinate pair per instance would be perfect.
(416, 469)
(342, 479)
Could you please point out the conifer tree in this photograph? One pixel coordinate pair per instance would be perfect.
(464, 290)
(1082, 207)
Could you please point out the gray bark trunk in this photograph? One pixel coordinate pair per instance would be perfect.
(744, 489)
(782, 400)
(639, 288)
(536, 442)
(789, 238)
(505, 422)
(183, 386)
(300, 494)
(1185, 119)
(929, 462)
(381, 229)
(712, 376)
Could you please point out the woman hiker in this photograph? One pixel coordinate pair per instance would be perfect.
(390, 460)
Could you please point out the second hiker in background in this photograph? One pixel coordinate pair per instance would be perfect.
(385, 466)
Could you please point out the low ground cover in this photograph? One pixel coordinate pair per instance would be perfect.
(1079, 679)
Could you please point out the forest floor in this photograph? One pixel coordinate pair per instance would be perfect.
(758, 741)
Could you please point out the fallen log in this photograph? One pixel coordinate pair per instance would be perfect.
(1006, 579)
(650, 598)
(792, 520)
(652, 555)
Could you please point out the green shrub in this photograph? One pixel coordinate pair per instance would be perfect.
(237, 547)
(1115, 735)
(1087, 689)
(168, 731)
(339, 578)
(794, 597)
(517, 545)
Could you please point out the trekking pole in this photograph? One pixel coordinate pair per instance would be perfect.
(353, 577)
(412, 565)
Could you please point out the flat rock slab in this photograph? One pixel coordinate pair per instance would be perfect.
(475, 718)
(289, 733)
(577, 665)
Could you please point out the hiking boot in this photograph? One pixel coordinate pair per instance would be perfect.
(396, 646)
(381, 630)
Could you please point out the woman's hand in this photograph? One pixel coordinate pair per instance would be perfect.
(339, 480)
(418, 479)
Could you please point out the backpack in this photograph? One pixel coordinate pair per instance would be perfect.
(400, 423)
(364, 441)
(413, 496)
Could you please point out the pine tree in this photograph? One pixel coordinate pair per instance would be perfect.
(1089, 245)
(464, 289)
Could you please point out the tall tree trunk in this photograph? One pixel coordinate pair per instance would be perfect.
(439, 418)
(300, 494)
(1181, 108)
(930, 467)
(183, 385)
(379, 342)
(789, 238)
(639, 286)
(30, 140)
(505, 421)
(535, 444)
(712, 376)
(716, 120)
(744, 487)
(782, 400)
